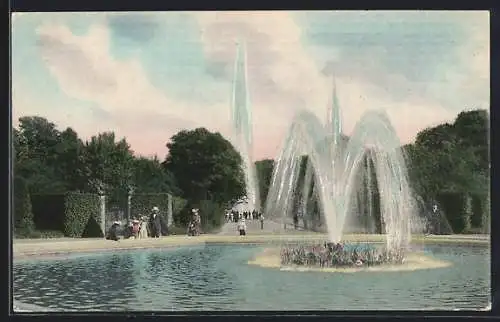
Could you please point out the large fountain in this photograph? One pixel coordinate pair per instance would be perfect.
(242, 128)
(317, 160)
(339, 170)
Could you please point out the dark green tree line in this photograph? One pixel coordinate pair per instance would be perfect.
(201, 166)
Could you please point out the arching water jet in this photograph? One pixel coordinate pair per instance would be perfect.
(335, 164)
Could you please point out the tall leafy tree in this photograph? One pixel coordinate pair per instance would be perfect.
(109, 161)
(35, 154)
(206, 166)
(70, 160)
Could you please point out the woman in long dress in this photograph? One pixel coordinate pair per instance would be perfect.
(143, 231)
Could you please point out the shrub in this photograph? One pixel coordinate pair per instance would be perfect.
(23, 214)
(92, 228)
(79, 207)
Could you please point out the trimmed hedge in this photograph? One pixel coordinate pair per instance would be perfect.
(79, 207)
(457, 208)
(477, 204)
(143, 203)
(69, 213)
(23, 214)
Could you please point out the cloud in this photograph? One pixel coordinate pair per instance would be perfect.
(139, 28)
(284, 76)
(286, 73)
(85, 70)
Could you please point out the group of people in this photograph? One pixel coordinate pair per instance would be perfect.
(139, 227)
(235, 216)
(240, 218)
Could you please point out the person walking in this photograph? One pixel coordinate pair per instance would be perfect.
(155, 222)
(143, 231)
(242, 227)
(261, 222)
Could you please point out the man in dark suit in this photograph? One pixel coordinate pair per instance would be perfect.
(155, 223)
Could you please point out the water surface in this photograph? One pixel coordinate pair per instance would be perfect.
(217, 277)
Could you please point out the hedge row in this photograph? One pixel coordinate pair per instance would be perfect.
(81, 211)
(461, 213)
(75, 214)
(143, 203)
(464, 212)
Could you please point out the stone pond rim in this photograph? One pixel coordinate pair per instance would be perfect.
(34, 248)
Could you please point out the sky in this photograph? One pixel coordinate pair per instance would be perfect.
(147, 75)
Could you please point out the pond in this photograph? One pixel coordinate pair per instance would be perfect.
(218, 277)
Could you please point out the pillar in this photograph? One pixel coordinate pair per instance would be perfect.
(467, 212)
(170, 214)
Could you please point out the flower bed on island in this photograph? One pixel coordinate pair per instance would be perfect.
(339, 255)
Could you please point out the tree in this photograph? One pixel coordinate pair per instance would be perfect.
(150, 176)
(472, 131)
(206, 166)
(109, 161)
(70, 160)
(35, 154)
(453, 159)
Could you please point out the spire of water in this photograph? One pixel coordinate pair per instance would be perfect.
(334, 118)
(336, 175)
(242, 123)
(242, 117)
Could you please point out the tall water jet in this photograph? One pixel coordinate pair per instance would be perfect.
(334, 164)
(242, 125)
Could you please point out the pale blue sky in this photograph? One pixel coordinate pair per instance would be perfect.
(147, 75)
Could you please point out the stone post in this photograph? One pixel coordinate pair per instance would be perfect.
(102, 201)
(170, 214)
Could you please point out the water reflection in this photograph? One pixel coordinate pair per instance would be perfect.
(218, 278)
